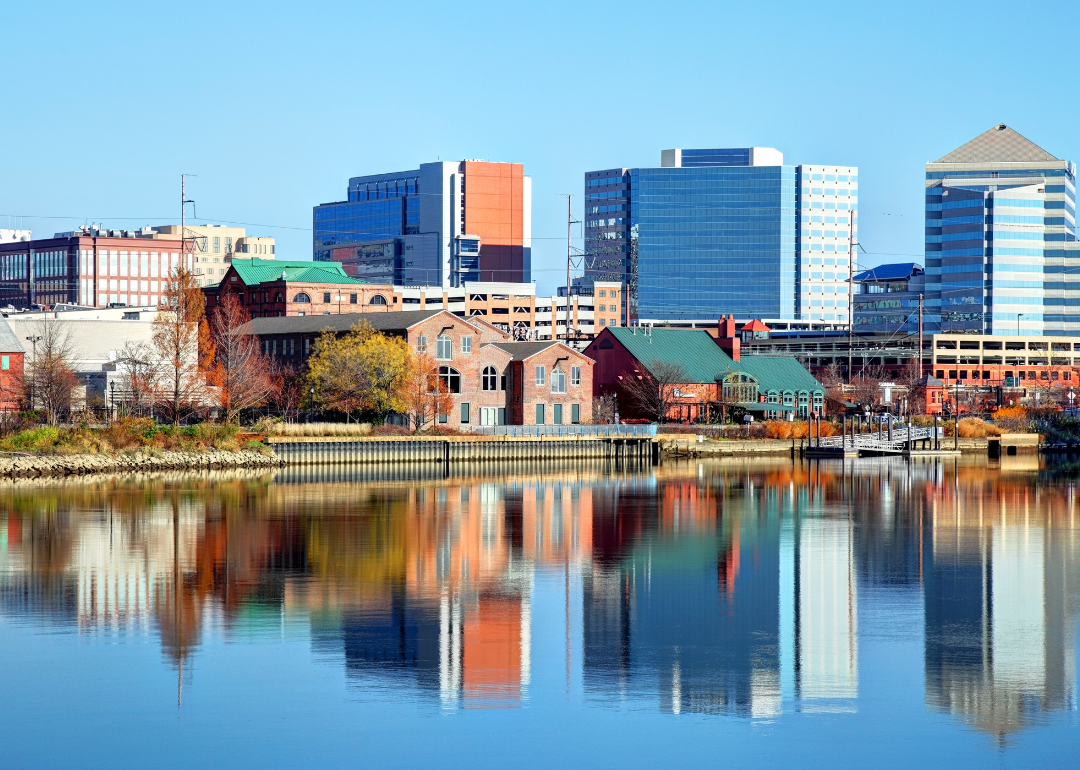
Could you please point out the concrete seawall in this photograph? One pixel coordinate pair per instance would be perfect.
(25, 465)
(454, 449)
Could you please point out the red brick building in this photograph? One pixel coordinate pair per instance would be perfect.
(270, 288)
(12, 356)
(492, 380)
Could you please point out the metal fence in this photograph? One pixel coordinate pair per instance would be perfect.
(570, 431)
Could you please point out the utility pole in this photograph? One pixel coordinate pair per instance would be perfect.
(569, 227)
(920, 337)
(851, 296)
(183, 220)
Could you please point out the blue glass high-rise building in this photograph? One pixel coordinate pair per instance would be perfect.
(1001, 249)
(722, 231)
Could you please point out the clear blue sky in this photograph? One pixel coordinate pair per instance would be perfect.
(274, 105)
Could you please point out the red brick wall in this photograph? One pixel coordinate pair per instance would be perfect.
(11, 382)
(278, 298)
(469, 365)
(532, 394)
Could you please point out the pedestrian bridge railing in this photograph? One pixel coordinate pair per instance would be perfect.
(894, 438)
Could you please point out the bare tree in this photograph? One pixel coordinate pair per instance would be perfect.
(866, 386)
(242, 373)
(651, 389)
(49, 380)
(604, 409)
(140, 370)
(176, 342)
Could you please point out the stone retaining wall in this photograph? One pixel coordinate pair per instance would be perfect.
(20, 465)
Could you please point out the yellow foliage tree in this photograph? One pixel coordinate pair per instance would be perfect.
(424, 392)
(359, 371)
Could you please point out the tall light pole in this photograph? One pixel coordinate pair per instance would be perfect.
(851, 295)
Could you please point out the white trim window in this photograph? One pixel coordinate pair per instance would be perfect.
(466, 344)
(541, 375)
(558, 380)
(575, 375)
(444, 348)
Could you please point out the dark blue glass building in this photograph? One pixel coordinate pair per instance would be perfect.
(720, 231)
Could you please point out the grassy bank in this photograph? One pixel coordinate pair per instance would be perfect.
(126, 435)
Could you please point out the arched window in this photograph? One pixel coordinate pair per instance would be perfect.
(451, 378)
(490, 378)
(377, 300)
(279, 298)
(301, 297)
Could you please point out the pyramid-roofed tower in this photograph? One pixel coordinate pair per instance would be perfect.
(1000, 144)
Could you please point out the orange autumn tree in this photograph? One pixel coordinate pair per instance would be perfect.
(424, 392)
(243, 375)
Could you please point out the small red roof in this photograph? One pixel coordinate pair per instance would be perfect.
(755, 326)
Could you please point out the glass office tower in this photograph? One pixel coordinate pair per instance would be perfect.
(721, 231)
(1001, 250)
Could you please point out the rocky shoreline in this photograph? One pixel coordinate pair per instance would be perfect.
(29, 466)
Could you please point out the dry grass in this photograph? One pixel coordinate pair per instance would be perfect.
(277, 428)
(973, 427)
(122, 435)
(782, 429)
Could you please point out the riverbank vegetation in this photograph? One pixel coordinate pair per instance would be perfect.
(126, 435)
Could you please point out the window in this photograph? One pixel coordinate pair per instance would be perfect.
(217, 245)
(377, 300)
(541, 375)
(451, 378)
(556, 417)
(464, 412)
(575, 413)
(301, 297)
(539, 414)
(421, 344)
(326, 297)
(444, 348)
(575, 375)
(602, 294)
(490, 378)
(5, 363)
(466, 344)
(558, 381)
(352, 299)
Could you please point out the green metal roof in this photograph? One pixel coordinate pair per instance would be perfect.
(255, 271)
(703, 361)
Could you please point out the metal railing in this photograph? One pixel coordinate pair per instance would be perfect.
(886, 439)
(569, 431)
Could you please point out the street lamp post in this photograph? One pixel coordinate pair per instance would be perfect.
(33, 340)
(312, 392)
(112, 400)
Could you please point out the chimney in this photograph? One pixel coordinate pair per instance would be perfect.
(727, 338)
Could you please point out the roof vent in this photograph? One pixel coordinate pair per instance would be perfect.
(1002, 126)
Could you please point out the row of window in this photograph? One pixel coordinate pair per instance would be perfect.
(328, 297)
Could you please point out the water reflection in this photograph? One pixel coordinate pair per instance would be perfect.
(719, 588)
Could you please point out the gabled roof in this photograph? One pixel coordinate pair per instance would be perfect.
(998, 145)
(890, 272)
(255, 271)
(522, 351)
(394, 321)
(701, 358)
(929, 381)
(9, 343)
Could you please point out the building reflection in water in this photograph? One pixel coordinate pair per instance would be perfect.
(724, 588)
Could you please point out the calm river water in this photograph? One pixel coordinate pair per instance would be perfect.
(878, 613)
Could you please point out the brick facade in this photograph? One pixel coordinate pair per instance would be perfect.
(271, 299)
(492, 379)
(11, 378)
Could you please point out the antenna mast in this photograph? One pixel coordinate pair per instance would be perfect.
(569, 225)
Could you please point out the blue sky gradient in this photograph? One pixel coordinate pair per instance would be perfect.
(274, 105)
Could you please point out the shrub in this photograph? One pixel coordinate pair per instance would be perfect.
(1013, 419)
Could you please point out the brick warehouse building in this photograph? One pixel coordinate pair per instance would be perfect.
(270, 288)
(12, 355)
(492, 379)
(717, 375)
